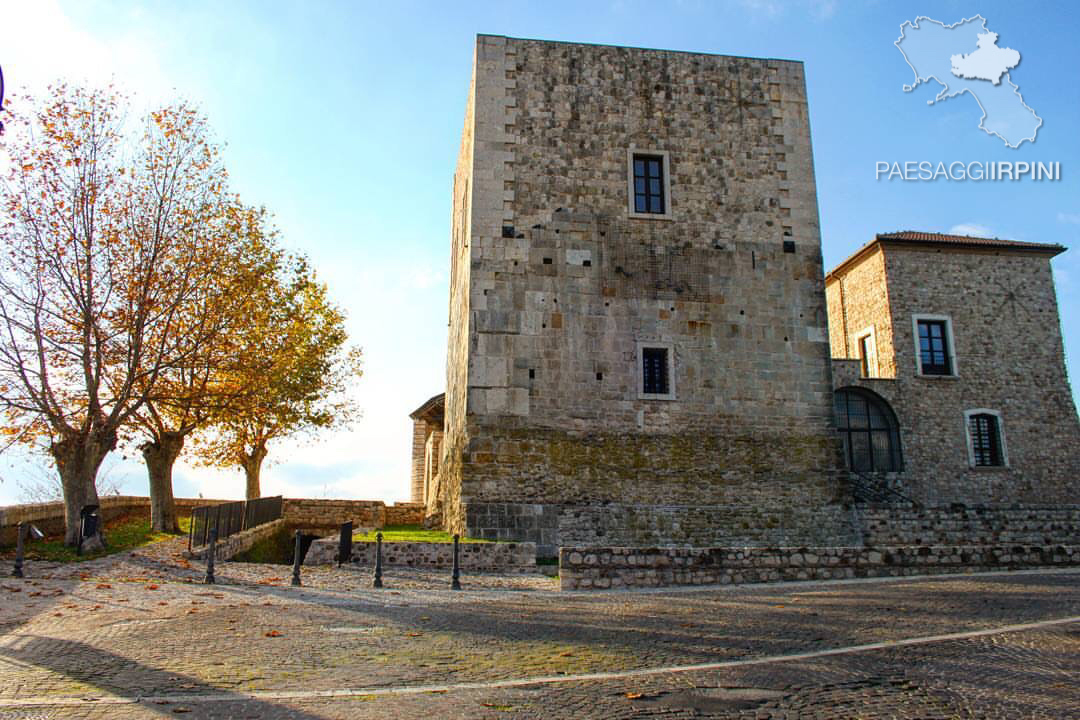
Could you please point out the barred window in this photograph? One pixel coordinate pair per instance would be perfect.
(985, 435)
(654, 368)
(869, 431)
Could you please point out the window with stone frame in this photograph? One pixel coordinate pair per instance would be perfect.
(984, 433)
(649, 184)
(656, 376)
(934, 347)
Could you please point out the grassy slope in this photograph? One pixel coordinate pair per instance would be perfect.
(411, 533)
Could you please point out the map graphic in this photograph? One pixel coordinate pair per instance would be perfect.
(965, 58)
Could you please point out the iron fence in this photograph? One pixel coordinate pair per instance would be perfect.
(231, 518)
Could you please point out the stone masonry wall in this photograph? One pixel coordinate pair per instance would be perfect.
(242, 541)
(565, 285)
(1028, 525)
(858, 299)
(585, 568)
(314, 514)
(416, 474)
(49, 517)
(405, 514)
(472, 556)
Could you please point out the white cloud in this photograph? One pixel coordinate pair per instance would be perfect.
(971, 230)
(1069, 218)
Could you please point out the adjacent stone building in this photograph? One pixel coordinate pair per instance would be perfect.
(950, 370)
(638, 349)
(426, 450)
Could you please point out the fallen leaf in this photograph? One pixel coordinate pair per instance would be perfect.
(414, 634)
(104, 586)
(635, 696)
(273, 633)
(151, 587)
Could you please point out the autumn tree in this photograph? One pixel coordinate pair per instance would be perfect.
(199, 388)
(109, 242)
(297, 370)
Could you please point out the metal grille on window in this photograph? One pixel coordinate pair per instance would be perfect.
(648, 184)
(985, 440)
(869, 431)
(933, 350)
(654, 362)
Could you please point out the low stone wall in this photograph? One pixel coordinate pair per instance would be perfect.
(233, 545)
(473, 556)
(582, 568)
(640, 525)
(314, 514)
(49, 517)
(405, 514)
(958, 524)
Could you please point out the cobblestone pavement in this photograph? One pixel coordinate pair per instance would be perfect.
(134, 637)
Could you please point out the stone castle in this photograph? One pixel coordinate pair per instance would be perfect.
(642, 335)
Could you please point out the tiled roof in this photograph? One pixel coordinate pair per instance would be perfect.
(434, 406)
(927, 237)
(941, 240)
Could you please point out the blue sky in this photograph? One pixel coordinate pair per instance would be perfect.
(344, 118)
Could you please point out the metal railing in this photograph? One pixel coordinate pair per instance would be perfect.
(231, 518)
(868, 488)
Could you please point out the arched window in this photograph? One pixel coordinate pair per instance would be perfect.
(869, 430)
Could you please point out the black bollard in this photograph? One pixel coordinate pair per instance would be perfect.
(296, 560)
(345, 544)
(378, 561)
(211, 551)
(20, 534)
(456, 583)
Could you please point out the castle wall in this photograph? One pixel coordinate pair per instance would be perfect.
(565, 285)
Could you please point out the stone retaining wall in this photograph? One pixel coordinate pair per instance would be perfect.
(49, 517)
(314, 514)
(952, 525)
(233, 545)
(582, 568)
(405, 514)
(473, 556)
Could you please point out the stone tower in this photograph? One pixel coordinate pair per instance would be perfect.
(638, 350)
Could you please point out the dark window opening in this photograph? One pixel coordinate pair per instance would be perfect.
(934, 348)
(869, 431)
(985, 440)
(654, 366)
(864, 356)
(649, 184)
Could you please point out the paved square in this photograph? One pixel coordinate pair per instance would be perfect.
(137, 636)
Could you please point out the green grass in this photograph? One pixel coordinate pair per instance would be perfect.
(122, 534)
(412, 533)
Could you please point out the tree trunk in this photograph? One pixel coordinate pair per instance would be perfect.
(160, 454)
(77, 460)
(252, 464)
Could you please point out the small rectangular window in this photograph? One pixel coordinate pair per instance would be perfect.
(934, 348)
(864, 355)
(985, 440)
(649, 184)
(654, 362)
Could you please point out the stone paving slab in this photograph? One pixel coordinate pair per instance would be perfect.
(255, 647)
